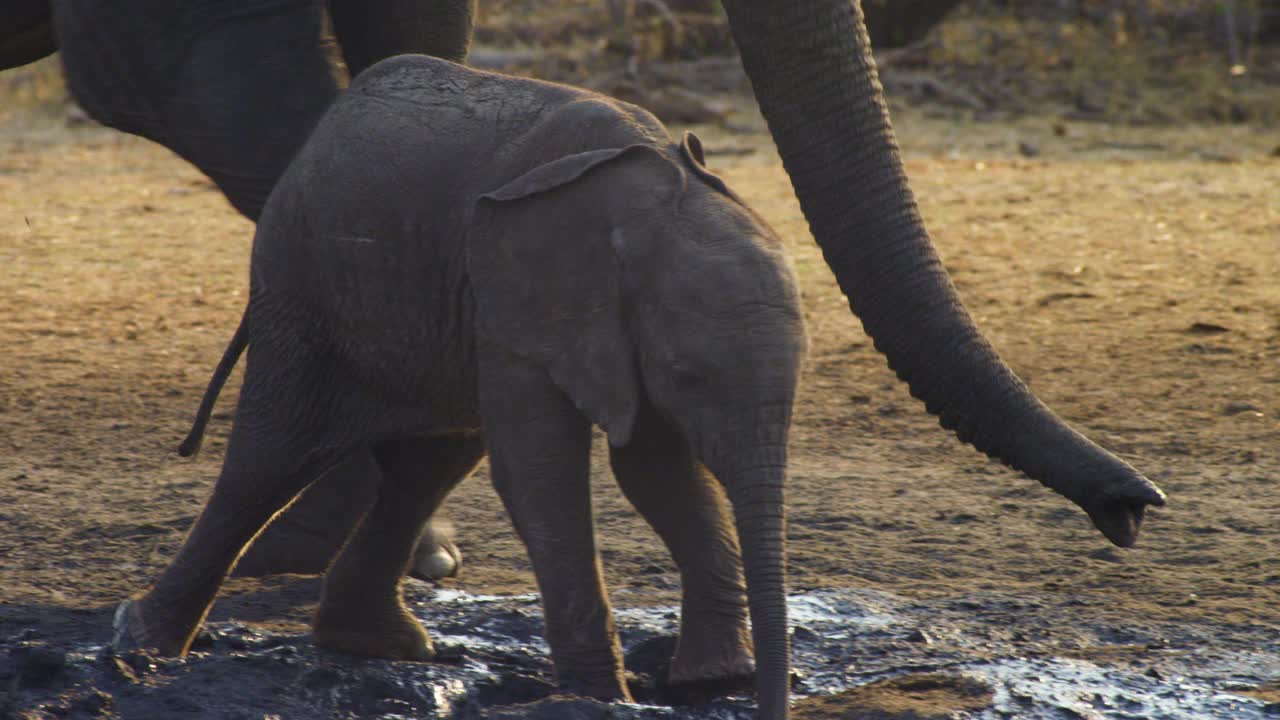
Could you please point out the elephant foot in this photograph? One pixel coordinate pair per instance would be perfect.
(724, 673)
(706, 682)
(131, 631)
(435, 557)
(712, 659)
(688, 682)
(608, 690)
(392, 634)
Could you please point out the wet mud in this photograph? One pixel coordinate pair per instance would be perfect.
(856, 654)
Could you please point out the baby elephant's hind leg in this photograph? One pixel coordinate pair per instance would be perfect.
(265, 467)
(361, 611)
(305, 538)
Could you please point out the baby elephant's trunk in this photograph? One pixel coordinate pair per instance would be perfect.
(756, 493)
(191, 445)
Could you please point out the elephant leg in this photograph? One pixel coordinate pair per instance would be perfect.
(305, 538)
(436, 556)
(262, 472)
(688, 509)
(293, 424)
(539, 460)
(233, 88)
(27, 33)
(361, 611)
(371, 30)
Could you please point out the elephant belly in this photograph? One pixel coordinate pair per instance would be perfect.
(391, 309)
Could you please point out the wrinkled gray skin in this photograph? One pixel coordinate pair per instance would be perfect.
(235, 87)
(459, 260)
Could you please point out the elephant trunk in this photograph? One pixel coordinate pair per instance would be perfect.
(755, 490)
(816, 82)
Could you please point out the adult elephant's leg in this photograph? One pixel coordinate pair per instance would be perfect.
(26, 32)
(370, 30)
(361, 611)
(689, 511)
(234, 88)
(813, 74)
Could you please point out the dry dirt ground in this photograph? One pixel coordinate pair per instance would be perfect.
(1132, 276)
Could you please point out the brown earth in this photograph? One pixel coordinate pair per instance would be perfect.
(1130, 275)
(910, 697)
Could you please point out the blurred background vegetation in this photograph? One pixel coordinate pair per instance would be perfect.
(1123, 61)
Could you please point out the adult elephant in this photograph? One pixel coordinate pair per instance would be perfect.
(235, 87)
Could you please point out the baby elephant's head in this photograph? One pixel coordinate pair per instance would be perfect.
(640, 281)
(635, 276)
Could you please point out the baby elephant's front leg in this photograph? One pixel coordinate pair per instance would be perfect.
(686, 507)
(539, 458)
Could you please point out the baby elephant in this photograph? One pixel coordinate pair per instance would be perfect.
(460, 260)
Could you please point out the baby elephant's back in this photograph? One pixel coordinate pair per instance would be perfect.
(415, 140)
(364, 233)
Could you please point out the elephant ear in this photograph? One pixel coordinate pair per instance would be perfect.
(543, 259)
(691, 151)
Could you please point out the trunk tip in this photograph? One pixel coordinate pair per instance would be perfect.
(1118, 513)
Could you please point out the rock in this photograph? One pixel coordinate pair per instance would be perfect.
(1219, 157)
(94, 703)
(652, 657)
(322, 679)
(556, 708)
(76, 117)
(1207, 328)
(513, 689)
(1240, 406)
(918, 635)
(120, 671)
(670, 104)
(1091, 102)
(493, 58)
(803, 634)
(37, 665)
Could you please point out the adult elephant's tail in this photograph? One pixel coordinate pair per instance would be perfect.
(813, 74)
(191, 445)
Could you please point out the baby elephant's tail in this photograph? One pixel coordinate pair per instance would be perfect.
(239, 341)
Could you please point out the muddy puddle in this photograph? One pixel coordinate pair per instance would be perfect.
(980, 656)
